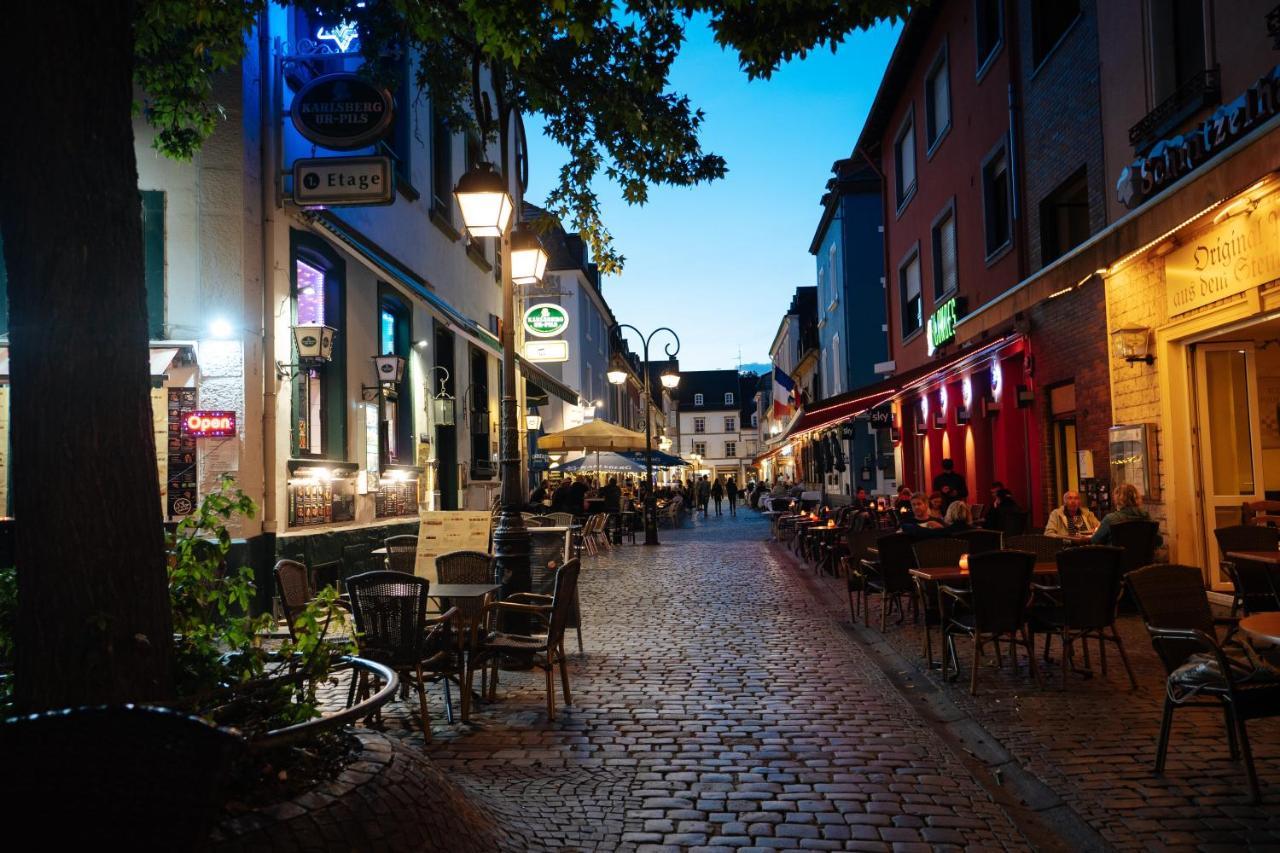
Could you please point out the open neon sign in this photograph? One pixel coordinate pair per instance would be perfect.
(204, 423)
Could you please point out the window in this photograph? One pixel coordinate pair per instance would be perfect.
(944, 253)
(728, 398)
(697, 399)
(1064, 217)
(833, 278)
(995, 201)
(1177, 44)
(395, 335)
(836, 384)
(699, 424)
(937, 100)
(318, 425)
(755, 420)
(988, 28)
(479, 412)
(730, 424)
(731, 449)
(399, 142)
(904, 159)
(441, 167)
(909, 289)
(153, 259)
(700, 448)
(1050, 20)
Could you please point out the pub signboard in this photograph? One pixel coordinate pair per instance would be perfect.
(334, 181)
(342, 111)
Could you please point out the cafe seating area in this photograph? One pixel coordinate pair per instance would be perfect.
(1016, 616)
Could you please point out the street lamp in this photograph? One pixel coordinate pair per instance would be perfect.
(650, 514)
(617, 377)
(528, 258)
(486, 212)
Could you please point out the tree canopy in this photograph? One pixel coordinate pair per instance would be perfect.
(597, 71)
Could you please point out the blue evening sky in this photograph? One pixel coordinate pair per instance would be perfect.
(719, 262)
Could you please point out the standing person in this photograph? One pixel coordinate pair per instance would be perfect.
(717, 493)
(577, 499)
(612, 496)
(950, 484)
(704, 493)
(731, 492)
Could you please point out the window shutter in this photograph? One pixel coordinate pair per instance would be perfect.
(947, 253)
(153, 260)
(913, 279)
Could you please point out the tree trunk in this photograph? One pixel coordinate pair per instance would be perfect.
(94, 623)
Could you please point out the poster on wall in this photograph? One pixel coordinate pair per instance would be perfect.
(453, 530)
(181, 482)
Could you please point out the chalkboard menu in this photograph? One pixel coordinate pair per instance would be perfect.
(1097, 495)
(182, 454)
(395, 497)
(313, 501)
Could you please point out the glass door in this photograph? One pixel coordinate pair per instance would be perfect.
(1230, 444)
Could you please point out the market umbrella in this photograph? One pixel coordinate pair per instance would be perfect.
(660, 459)
(608, 461)
(595, 435)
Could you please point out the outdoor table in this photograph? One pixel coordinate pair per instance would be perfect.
(826, 536)
(379, 552)
(1262, 628)
(1270, 558)
(462, 590)
(947, 575)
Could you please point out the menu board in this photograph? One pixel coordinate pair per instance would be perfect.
(321, 502)
(180, 486)
(395, 497)
(442, 532)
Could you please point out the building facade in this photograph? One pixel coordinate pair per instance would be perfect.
(709, 413)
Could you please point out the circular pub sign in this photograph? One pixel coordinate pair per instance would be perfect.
(342, 112)
(545, 320)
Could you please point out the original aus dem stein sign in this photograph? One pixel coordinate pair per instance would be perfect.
(334, 181)
(209, 423)
(342, 111)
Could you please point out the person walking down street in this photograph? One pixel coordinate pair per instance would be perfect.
(704, 493)
(717, 494)
(1128, 508)
(950, 484)
(731, 492)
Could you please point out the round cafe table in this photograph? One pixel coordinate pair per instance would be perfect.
(1262, 628)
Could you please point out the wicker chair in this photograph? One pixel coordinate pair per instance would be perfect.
(391, 620)
(467, 567)
(1090, 580)
(982, 541)
(1261, 513)
(562, 519)
(540, 521)
(294, 589)
(1255, 586)
(856, 544)
(889, 575)
(1175, 607)
(1045, 548)
(154, 776)
(993, 608)
(356, 560)
(933, 554)
(546, 651)
(1138, 539)
(402, 553)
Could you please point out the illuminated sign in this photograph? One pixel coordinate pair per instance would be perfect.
(942, 323)
(546, 350)
(545, 320)
(342, 111)
(343, 35)
(209, 423)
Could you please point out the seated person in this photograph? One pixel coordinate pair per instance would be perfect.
(1128, 508)
(902, 506)
(937, 505)
(920, 523)
(1002, 505)
(958, 517)
(1071, 519)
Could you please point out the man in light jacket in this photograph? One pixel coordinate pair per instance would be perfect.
(1071, 519)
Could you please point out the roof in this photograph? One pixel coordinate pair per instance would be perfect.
(713, 385)
(565, 251)
(748, 384)
(906, 53)
(849, 176)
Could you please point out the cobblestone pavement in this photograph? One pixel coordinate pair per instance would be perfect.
(1093, 745)
(718, 706)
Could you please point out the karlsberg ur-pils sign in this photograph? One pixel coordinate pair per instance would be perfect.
(545, 320)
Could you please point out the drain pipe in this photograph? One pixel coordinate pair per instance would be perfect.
(267, 179)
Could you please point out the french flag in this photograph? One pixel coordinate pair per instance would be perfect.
(784, 393)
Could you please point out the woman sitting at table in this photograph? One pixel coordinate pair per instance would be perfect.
(958, 518)
(1071, 519)
(1128, 508)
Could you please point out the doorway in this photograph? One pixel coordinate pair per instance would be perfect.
(446, 436)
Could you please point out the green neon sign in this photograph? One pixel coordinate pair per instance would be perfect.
(545, 320)
(942, 324)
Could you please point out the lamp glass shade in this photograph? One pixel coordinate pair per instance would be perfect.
(670, 380)
(390, 368)
(444, 410)
(617, 377)
(486, 206)
(533, 422)
(528, 258)
(314, 342)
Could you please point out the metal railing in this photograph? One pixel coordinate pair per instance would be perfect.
(1196, 92)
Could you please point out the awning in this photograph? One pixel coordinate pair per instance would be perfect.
(382, 263)
(161, 358)
(547, 382)
(835, 411)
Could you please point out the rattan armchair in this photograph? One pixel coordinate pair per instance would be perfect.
(473, 619)
(402, 553)
(1045, 548)
(934, 554)
(890, 575)
(544, 651)
(1175, 607)
(993, 608)
(1255, 584)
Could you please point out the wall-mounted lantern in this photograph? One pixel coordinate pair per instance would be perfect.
(1132, 344)
(314, 344)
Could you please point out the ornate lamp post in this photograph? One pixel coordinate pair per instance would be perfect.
(487, 210)
(670, 381)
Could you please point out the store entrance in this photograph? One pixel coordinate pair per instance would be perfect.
(1237, 385)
